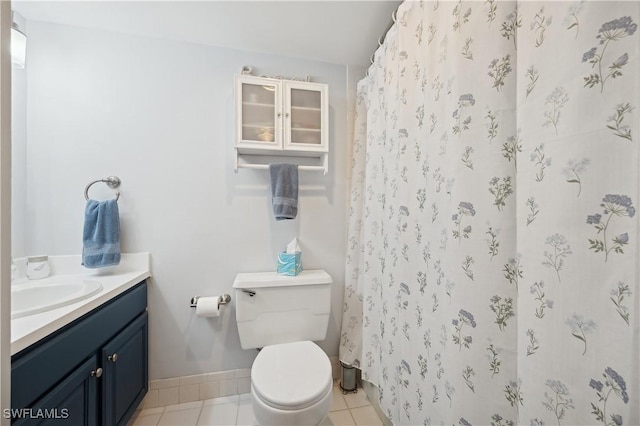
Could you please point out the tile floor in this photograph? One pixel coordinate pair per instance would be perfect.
(346, 410)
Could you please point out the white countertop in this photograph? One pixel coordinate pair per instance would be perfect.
(133, 268)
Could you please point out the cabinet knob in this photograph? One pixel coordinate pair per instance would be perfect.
(96, 373)
(287, 115)
(113, 358)
(279, 114)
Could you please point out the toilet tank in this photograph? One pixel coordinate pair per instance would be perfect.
(273, 309)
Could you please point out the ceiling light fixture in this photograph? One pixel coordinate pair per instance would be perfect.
(18, 46)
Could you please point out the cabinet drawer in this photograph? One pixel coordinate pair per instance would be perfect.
(39, 367)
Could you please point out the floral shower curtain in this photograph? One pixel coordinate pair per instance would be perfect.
(492, 268)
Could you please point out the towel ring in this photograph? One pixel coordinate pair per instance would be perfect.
(112, 182)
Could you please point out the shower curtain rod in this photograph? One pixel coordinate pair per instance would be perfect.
(394, 16)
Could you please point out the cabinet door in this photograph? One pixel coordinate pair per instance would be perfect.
(72, 402)
(306, 118)
(258, 113)
(125, 377)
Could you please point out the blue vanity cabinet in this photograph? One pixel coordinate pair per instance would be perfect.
(125, 372)
(94, 371)
(72, 402)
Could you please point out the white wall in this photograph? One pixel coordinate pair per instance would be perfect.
(159, 115)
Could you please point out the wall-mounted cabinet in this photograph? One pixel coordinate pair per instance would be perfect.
(281, 117)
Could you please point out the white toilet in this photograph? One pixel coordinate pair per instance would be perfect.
(291, 379)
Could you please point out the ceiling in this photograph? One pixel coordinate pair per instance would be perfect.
(339, 32)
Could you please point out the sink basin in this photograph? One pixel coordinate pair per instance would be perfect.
(36, 297)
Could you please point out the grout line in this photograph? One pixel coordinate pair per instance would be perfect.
(353, 419)
(199, 414)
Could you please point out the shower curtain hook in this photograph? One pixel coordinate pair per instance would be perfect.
(371, 58)
(394, 16)
(380, 40)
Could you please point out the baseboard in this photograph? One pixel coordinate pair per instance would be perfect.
(199, 387)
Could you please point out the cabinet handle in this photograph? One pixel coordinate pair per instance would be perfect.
(96, 373)
(113, 358)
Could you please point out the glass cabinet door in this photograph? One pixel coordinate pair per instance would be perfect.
(259, 115)
(305, 120)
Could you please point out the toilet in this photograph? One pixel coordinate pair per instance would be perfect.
(291, 380)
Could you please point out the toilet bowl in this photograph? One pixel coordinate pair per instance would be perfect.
(291, 384)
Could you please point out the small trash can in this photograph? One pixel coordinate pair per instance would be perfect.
(348, 382)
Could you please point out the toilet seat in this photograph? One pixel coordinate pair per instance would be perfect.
(291, 376)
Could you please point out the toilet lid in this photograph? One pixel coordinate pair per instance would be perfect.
(291, 376)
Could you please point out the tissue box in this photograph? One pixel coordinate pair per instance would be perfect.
(289, 263)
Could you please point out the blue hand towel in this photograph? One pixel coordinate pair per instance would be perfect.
(284, 190)
(101, 236)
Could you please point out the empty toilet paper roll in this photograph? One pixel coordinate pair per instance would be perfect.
(208, 307)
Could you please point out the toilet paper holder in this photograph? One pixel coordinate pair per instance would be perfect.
(222, 300)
